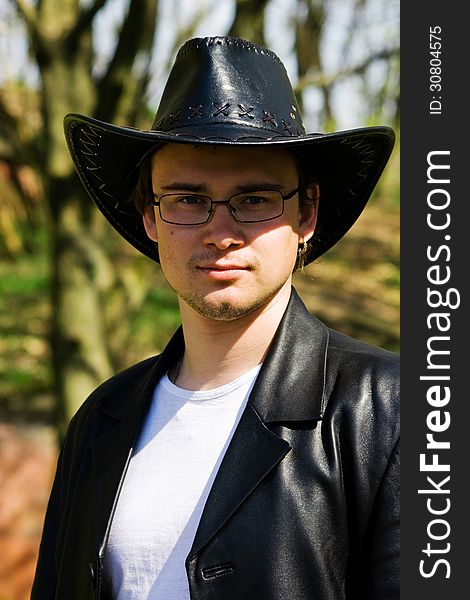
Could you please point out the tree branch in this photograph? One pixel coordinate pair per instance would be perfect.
(326, 80)
(28, 14)
(85, 18)
(8, 127)
(248, 22)
(136, 36)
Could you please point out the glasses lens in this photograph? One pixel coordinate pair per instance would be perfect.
(256, 206)
(247, 207)
(185, 209)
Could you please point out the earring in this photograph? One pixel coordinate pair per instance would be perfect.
(302, 251)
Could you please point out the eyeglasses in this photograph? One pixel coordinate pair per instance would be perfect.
(246, 207)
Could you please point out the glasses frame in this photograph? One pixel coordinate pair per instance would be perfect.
(157, 200)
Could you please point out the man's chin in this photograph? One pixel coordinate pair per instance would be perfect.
(227, 306)
(220, 311)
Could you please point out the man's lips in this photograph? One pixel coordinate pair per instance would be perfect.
(222, 271)
(222, 267)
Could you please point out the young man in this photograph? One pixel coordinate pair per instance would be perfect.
(256, 457)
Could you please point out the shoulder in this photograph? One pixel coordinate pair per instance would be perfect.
(345, 352)
(129, 376)
(112, 396)
(351, 346)
(363, 384)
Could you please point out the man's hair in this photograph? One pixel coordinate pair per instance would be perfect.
(143, 192)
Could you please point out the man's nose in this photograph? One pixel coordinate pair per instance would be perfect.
(222, 229)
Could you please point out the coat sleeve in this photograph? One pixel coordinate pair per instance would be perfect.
(383, 559)
(45, 580)
(56, 519)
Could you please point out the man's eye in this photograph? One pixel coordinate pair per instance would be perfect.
(190, 200)
(254, 200)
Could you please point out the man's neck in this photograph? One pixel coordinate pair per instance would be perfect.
(217, 352)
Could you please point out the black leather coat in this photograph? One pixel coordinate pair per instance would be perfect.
(305, 504)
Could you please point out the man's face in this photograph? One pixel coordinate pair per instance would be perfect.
(224, 269)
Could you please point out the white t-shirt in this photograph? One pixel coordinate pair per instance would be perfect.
(169, 477)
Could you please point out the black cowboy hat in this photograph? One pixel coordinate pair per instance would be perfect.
(227, 91)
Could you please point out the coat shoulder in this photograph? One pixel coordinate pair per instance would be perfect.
(366, 377)
(128, 376)
(347, 353)
(351, 346)
(112, 394)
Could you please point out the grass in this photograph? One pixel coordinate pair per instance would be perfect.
(24, 312)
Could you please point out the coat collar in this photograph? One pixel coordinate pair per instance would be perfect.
(299, 348)
(116, 402)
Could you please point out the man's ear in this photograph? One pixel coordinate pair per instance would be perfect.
(309, 213)
(150, 225)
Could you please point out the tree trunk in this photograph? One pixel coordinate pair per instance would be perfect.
(78, 342)
(248, 22)
(309, 21)
(78, 334)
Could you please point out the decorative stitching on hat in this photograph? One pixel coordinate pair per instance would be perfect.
(86, 144)
(365, 151)
(195, 111)
(222, 109)
(246, 123)
(287, 126)
(89, 145)
(245, 111)
(87, 130)
(269, 118)
(227, 41)
(174, 117)
(222, 114)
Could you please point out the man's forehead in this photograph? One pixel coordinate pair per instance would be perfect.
(211, 154)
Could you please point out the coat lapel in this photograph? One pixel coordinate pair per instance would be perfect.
(291, 384)
(253, 451)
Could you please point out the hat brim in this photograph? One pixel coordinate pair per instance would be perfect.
(347, 165)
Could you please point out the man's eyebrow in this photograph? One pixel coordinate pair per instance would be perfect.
(261, 185)
(187, 186)
(201, 188)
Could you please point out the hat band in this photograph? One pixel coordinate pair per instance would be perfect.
(246, 116)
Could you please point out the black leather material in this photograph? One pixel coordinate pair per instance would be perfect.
(230, 89)
(227, 91)
(305, 505)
